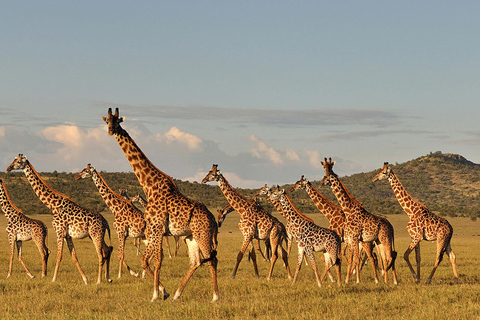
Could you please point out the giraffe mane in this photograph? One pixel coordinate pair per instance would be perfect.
(8, 197)
(350, 195)
(47, 186)
(126, 134)
(296, 210)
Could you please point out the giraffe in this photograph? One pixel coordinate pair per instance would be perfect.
(22, 228)
(265, 191)
(362, 227)
(129, 221)
(422, 225)
(168, 211)
(136, 241)
(255, 222)
(310, 238)
(70, 221)
(331, 211)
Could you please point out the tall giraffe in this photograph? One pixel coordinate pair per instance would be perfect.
(362, 226)
(310, 238)
(22, 228)
(222, 214)
(168, 210)
(70, 221)
(129, 221)
(422, 225)
(255, 222)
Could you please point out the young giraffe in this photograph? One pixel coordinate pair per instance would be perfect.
(129, 221)
(362, 226)
(265, 191)
(70, 221)
(255, 222)
(423, 225)
(22, 228)
(310, 238)
(222, 214)
(331, 211)
(136, 241)
(168, 210)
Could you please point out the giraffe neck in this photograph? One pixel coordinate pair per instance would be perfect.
(234, 198)
(407, 202)
(146, 172)
(342, 195)
(8, 208)
(51, 198)
(110, 197)
(290, 212)
(142, 201)
(324, 205)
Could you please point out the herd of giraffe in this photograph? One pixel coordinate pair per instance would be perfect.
(170, 213)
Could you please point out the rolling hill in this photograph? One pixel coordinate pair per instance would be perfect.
(448, 184)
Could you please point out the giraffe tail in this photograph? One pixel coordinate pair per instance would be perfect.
(394, 257)
(213, 256)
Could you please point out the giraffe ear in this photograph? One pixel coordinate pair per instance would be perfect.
(104, 118)
(121, 119)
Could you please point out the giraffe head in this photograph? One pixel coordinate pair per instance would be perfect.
(86, 173)
(276, 194)
(18, 163)
(113, 121)
(123, 193)
(300, 184)
(328, 165)
(222, 214)
(213, 175)
(263, 191)
(384, 173)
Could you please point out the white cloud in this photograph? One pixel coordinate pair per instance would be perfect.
(176, 137)
(314, 158)
(233, 179)
(263, 151)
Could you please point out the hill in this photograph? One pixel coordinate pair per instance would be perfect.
(448, 184)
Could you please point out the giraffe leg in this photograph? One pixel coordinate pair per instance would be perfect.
(369, 250)
(246, 242)
(350, 260)
(253, 257)
(194, 255)
(284, 254)
(414, 244)
(19, 251)
(44, 252)
(121, 256)
(168, 247)
(301, 253)
(73, 253)
(452, 257)
(201, 243)
(441, 248)
(274, 241)
(60, 239)
(157, 261)
(313, 263)
(177, 244)
(11, 241)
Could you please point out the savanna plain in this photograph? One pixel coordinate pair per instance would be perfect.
(246, 296)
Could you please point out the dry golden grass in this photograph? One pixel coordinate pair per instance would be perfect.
(245, 297)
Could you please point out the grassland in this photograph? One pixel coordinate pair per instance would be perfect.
(245, 297)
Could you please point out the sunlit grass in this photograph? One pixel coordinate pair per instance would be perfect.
(245, 297)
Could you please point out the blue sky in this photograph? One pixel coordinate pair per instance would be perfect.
(265, 89)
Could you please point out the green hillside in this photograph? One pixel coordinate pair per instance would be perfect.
(447, 183)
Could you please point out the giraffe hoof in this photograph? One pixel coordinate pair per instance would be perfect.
(109, 280)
